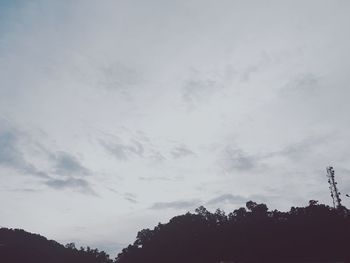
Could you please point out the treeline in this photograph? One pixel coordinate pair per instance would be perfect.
(19, 246)
(315, 233)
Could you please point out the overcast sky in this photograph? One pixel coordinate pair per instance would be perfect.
(117, 115)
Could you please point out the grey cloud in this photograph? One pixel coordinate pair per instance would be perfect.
(70, 167)
(299, 150)
(303, 85)
(228, 199)
(175, 205)
(71, 183)
(118, 77)
(11, 155)
(242, 200)
(66, 164)
(113, 190)
(196, 89)
(155, 178)
(123, 151)
(248, 72)
(130, 197)
(157, 156)
(25, 190)
(236, 159)
(181, 151)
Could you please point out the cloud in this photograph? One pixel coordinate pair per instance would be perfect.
(71, 183)
(203, 86)
(123, 151)
(236, 159)
(130, 197)
(181, 151)
(299, 150)
(157, 156)
(175, 205)
(12, 147)
(302, 86)
(248, 72)
(11, 155)
(25, 190)
(118, 77)
(227, 199)
(197, 89)
(66, 164)
(70, 167)
(156, 178)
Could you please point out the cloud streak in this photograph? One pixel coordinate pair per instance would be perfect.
(79, 184)
(67, 164)
(181, 151)
(11, 155)
(123, 151)
(227, 199)
(175, 205)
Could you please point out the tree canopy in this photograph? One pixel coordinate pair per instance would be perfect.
(19, 246)
(252, 234)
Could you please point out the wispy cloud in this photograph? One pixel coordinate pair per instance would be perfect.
(67, 164)
(11, 155)
(227, 199)
(131, 198)
(236, 159)
(123, 151)
(181, 151)
(302, 86)
(175, 205)
(25, 190)
(71, 183)
(198, 89)
(299, 149)
(157, 178)
(118, 78)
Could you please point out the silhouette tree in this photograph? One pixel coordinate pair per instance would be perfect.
(254, 234)
(19, 246)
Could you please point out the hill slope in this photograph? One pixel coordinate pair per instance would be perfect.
(316, 233)
(19, 246)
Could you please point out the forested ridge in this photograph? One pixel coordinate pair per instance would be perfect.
(315, 233)
(19, 246)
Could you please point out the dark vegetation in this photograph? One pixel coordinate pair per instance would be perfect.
(19, 246)
(315, 233)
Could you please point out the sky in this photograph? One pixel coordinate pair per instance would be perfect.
(116, 115)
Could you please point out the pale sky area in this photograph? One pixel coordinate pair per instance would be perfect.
(117, 115)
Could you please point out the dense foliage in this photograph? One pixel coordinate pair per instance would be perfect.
(19, 246)
(316, 233)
